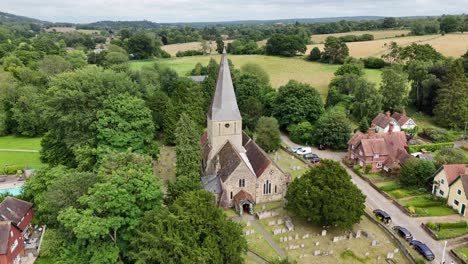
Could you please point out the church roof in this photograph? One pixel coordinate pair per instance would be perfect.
(228, 160)
(257, 158)
(224, 105)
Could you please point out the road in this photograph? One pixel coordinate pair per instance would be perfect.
(375, 200)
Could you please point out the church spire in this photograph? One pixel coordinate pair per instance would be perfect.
(224, 105)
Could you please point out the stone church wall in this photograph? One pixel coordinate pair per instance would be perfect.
(232, 183)
(277, 178)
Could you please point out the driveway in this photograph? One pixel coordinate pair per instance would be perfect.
(375, 200)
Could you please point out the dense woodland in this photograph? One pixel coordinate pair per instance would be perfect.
(102, 124)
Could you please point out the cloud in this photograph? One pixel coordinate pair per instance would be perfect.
(83, 11)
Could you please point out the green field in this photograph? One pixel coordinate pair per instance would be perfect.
(12, 142)
(280, 69)
(29, 159)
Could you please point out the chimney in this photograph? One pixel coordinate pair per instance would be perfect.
(387, 114)
(390, 128)
(403, 113)
(371, 132)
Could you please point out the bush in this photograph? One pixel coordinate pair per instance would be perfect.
(315, 54)
(164, 54)
(368, 168)
(189, 53)
(301, 133)
(12, 169)
(354, 38)
(437, 135)
(374, 63)
(435, 146)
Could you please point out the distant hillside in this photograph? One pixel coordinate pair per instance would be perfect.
(120, 24)
(10, 18)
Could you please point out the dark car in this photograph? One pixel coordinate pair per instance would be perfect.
(415, 242)
(382, 215)
(312, 157)
(424, 250)
(403, 232)
(321, 146)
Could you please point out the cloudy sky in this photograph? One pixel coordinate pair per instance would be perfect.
(82, 11)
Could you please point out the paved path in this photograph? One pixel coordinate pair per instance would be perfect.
(375, 200)
(269, 239)
(19, 150)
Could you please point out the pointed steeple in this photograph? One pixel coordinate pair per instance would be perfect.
(224, 105)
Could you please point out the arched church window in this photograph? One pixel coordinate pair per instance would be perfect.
(267, 187)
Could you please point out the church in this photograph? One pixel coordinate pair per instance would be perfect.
(235, 169)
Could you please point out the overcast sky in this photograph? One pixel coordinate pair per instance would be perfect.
(82, 11)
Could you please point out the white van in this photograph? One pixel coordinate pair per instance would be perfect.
(304, 150)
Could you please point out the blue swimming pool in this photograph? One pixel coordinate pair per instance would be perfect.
(13, 191)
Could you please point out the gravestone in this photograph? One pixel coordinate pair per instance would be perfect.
(288, 223)
(277, 231)
(317, 252)
(247, 232)
(358, 234)
(283, 230)
(271, 223)
(281, 239)
(263, 207)
(279, 222)
(248, 223)
(297, 237)
(375, 243)
(317, 243)
(367, 254)
(290, 238)
(324, 232)
(395, 250)
(390, 255)
(302, 246)
(252, 231)
(336, 239)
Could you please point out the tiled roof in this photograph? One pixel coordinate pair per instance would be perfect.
(13, 209)
(374, 146)
(228, 160)
(400, 118)
(452, 171)
(257, 157)
(381, 120)
(5, 227)
(356, 138)
(243, 195)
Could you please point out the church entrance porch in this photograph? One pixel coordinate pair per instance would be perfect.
(243, 202)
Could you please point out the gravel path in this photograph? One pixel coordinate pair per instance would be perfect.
(19, 150)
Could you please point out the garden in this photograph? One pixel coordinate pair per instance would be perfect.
(448, 230)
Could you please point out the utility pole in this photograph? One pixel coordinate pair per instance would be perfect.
(442, 261)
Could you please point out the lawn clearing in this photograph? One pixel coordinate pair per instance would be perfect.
(164, 167)
(289, 163)
(28, 159)
(341, 249)
(378, 34)
(448, 230)
(13, 142)
(280, 69)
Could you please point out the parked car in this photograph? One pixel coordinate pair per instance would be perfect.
(424, 250)
(296, 149)
(304, 150)
(403, 232)
(312, 157)
(382, 215)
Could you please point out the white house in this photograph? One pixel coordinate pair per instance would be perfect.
(403, 120)
(445, 176)
(382, 123)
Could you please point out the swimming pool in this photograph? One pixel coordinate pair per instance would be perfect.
(13, 191)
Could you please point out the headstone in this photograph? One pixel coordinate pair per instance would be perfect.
(281, 239)
(263, 207)
(317, 243)
(317, 252)
(277, 231)
(290, 238)
(302, 246)
(358, 234)
(336, 239)
(324, 232)
(252, 231)
(367, 254)
(279, 222)
(330, 252)
(375, 243)
(283, 230)
(288, 223)
(247, 232)
(395, 250)
(271, 223)
(390, 255)
(297, 237)
(248, 223)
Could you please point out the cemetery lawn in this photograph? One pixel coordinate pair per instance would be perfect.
(258, 244)
(345, 251)
(289, 163)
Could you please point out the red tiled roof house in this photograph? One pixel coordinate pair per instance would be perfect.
(445, 176)
(11, 243)
(17, 211)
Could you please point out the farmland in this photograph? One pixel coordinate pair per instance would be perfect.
(378, 34)
(280, 70)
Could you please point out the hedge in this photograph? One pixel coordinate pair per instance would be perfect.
(434, 226)
(11, 169)
(189, 53)
(435, 146)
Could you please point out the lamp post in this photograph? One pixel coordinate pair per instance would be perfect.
(442, 261)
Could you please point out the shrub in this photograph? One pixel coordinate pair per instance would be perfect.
(437, 135)
(301, 133)
(12, 169)
(315, 54)
(435, 146)
(356, 167)
(374, 63)
(164, 54)
(189, 53)
(354, 38)
(368, 168)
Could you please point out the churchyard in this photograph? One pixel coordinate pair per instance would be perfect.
(309, 243)
(289, 163)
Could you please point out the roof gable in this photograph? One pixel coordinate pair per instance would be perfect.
(229, 160)
(381, 120)
(257, 157)
(13, 209)
(452, 171)
(374, 146)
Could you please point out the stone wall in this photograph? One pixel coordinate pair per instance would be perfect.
(277, 179)
(232, 183)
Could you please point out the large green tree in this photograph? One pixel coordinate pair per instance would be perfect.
(394, 88)
(191, 230)
(450, 156)
(416, 172)
(367, 101)
(333, 129)
(325, 195)
(335, 50)
(268, 134)
(188, 150)
(297, 102)
(285, 45)
(143, 45)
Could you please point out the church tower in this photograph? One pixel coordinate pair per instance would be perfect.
(224, 119)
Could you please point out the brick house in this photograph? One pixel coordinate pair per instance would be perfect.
(382, 151)
(235, 169)
(11, 243)
(17, 211)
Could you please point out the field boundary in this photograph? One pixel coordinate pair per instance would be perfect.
(20, 150)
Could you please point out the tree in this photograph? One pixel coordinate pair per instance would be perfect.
(416, 172)
(301, 133)
(143, 45)
(77, 58)
(335, 51)
(285, 45)
(367, 101)
(27, 112)
(188, 150)
(333, 129)
(123, 123)
(219, 45)
(170, 123)
(325, 195)
(111, 211)
(364, 125)
(191, 230)
(268, 134)
(452, 100)
(450, 24)
(52, 65)
(350, 68)
(157, 102)
(394, 88)
(169, 80)
(450, 156)
(297, 102)
(389, 22)
(256, 70)
(315, 54)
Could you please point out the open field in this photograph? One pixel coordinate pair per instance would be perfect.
(174, 48)
(280, 70)
(453, 45)
(378, 34)
(12, 142)
(29, 159)
(358, 246)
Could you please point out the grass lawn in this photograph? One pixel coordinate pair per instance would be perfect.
(427, 205)
(43, 260)
(165, 166)
(268, 206)
(462, 252)
(287, 162)
(448, 230)
(280, 69)
(13, 142)
(258, 244)
(341, 249)
(20, 158)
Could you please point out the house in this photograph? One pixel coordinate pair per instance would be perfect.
(382, 123)
(445, 176)
(403, 120)
(458, 193)
(381, 151)
(235, 169)
(18, 212)
(11, 243)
